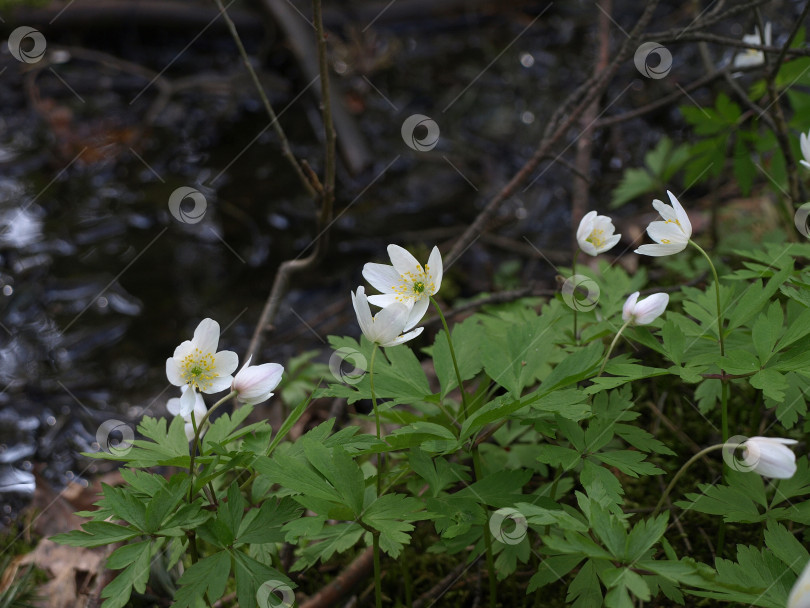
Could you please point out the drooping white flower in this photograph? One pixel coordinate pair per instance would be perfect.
(595, 234)
(804, 143)
(673, 234)
(175, 406)
(646, 311)
(197, 364)
(405, 281)
(387, 326)
(770, 456)
(255, 383)
(751, 57)
(800, 594)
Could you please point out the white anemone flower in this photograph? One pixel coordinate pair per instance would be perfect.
(255, 383)
(387, 326)
(645, 311)
(673, 234)
(800, 594)
(804, 142)
(175, 408)
(770, 456)
(197, 364)
(595, 234)
(405, 281)
(752, 57)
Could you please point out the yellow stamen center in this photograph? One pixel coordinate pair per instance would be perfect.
(197, 369)
(596, 239)
(666, 241)
(414, 286)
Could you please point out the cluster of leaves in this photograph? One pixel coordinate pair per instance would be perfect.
(538, 433)
(728, 131)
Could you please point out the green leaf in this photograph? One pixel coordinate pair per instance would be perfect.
(436, 471)
(95, 534)
(771, 383)
(465, 342)
(767, 330)
(209, 575)
(390, 514)
(263, 525)
(551, 569)
(134, 576)
(165, 501)
(252, 575)
(628, 462)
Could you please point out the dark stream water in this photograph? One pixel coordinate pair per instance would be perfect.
(99, 282)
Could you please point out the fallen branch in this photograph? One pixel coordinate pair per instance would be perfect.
(358, 570)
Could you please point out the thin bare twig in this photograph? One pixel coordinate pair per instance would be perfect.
(562, 119)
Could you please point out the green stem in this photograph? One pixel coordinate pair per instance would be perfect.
(574, 272)
(196, 444)
(493, 587)
(377, 578)
(376, 535)
(612, 344)
(475, 455)
(453, 357)
(683, 469)
(717, 295)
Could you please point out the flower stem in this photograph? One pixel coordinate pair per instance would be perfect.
(574, 272)
(717, 295)
(453, 357)
(196, 444)
(375, 535)
(612, 344)
(683, 469)
(475, 455)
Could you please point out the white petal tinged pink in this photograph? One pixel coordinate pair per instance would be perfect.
(645, 311)
(255, 383)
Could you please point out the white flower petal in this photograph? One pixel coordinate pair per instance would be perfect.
(611, 242)
(403, 261)
(650, 308)
(173, 372)
(389, 323)
(405, 337)
(667, 233)
(184, 349)
(660, 250)
(206, 336)
(435, 269)
(588, 248)
(256, 383)
(770, 457)
(383, 277)
(187, 401)
(173, 406)
(225, 362)
(218, 384)
(386, 299)
(416, 313)
(666, 211)
(629, 306)
(800, 593)
(805, 163)
(681, 216)
(586, 226)
(362, 310)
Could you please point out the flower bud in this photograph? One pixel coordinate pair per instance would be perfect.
(770, 456)
(256, 383)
